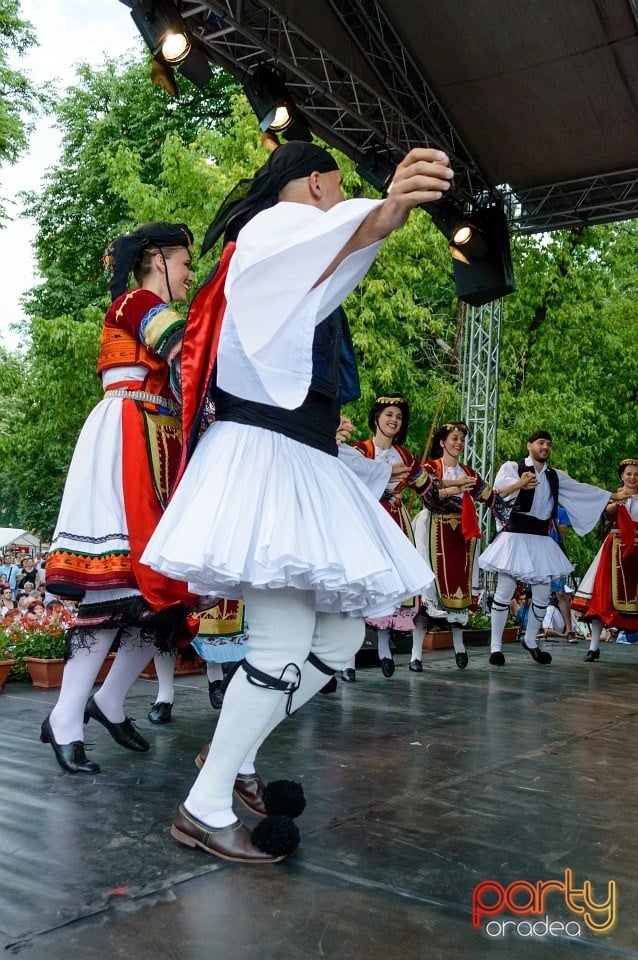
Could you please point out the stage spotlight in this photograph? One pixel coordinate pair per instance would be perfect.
(489, 276)
(297, 129)
(269, 98)
(162, 29)
(376, 169)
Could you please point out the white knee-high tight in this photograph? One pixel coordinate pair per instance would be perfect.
(165, 669)
(505, 587)
(67, 717)
(284, 629)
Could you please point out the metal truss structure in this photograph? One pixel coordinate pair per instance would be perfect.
(381, 101)
(480, 350)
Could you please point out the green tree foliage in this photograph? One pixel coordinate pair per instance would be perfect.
(53, 400)
(18, 96)
(78, 212)
(568, 352)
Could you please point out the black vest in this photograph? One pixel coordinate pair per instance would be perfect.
(521, 521)
(315, 422)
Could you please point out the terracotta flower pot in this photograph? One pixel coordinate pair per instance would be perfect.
(5, 670)
(45, 672)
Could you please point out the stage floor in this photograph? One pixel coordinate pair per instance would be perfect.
(419, 789)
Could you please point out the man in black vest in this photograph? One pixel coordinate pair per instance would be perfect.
(524, 550)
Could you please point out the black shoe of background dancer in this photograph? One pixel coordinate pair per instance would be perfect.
(416, 666)
(160, 712)
(538, 655)
(462, 660)
(349, 675)
(387, 666)
(591, 656)
(216, 694)
(497, 659)
(124, 733)
(330, 686)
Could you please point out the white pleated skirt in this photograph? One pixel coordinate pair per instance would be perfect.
(256, 507)
(525, 557)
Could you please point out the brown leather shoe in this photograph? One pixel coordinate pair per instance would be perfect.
(250, 790)
(228, 843)
(200, 759)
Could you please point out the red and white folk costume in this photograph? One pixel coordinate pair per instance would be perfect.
(117, 486)
(266, 510)
(607, 595)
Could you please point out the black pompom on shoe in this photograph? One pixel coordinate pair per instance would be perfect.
(462, 660)
(276, 836)
(591, 655)
(497, 659)
(284, 798)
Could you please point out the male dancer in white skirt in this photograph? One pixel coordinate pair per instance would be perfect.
(266, 510)
(523, 550)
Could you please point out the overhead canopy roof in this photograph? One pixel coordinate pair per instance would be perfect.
(535, 99)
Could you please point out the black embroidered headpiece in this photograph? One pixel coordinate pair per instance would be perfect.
(121, 256)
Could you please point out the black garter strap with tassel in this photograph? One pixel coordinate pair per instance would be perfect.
(260, 679)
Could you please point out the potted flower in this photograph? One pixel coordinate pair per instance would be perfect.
(39, 647)
(7, 659)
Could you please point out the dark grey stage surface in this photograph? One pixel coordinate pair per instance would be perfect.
(419, 788)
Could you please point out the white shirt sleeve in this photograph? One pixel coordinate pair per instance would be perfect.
(273, 305)
(584, 503)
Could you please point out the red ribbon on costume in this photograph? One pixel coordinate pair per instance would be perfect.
(469, 518)
(627, 529)
(199, 350)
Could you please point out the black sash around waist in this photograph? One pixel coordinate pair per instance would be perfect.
(314, 423)
(526, 523)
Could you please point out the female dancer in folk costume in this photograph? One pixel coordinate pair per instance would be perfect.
(608, 593)
(447, 533)
(389, 419)
(116, 488)
(265, 509)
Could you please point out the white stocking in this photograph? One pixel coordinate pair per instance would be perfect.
(67, 717)
(596, 630)
(418, 633)
(214, 672)
(165, 670)
(282, 624)
(505, 587)
(334, 634)
(457, 639)
(383, 643)
(536, 614)
(130, 660)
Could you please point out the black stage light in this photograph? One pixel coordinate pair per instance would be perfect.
(269, 98)
(489, 276)
(376, 168)
(162, 29)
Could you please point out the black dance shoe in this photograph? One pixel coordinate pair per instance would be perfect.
(330, 686)
(592, 655)
(349, 675)
(387, 666)
(497, 659)
(216, 693)
(540, 656)
(416, 666)
(124, 733)
(462, 660)
(70, 756)
(160, 712)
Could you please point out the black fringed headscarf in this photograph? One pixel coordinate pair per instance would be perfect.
(121, 256)
(290, 161)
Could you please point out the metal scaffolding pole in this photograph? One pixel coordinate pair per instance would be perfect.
(479, 389)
